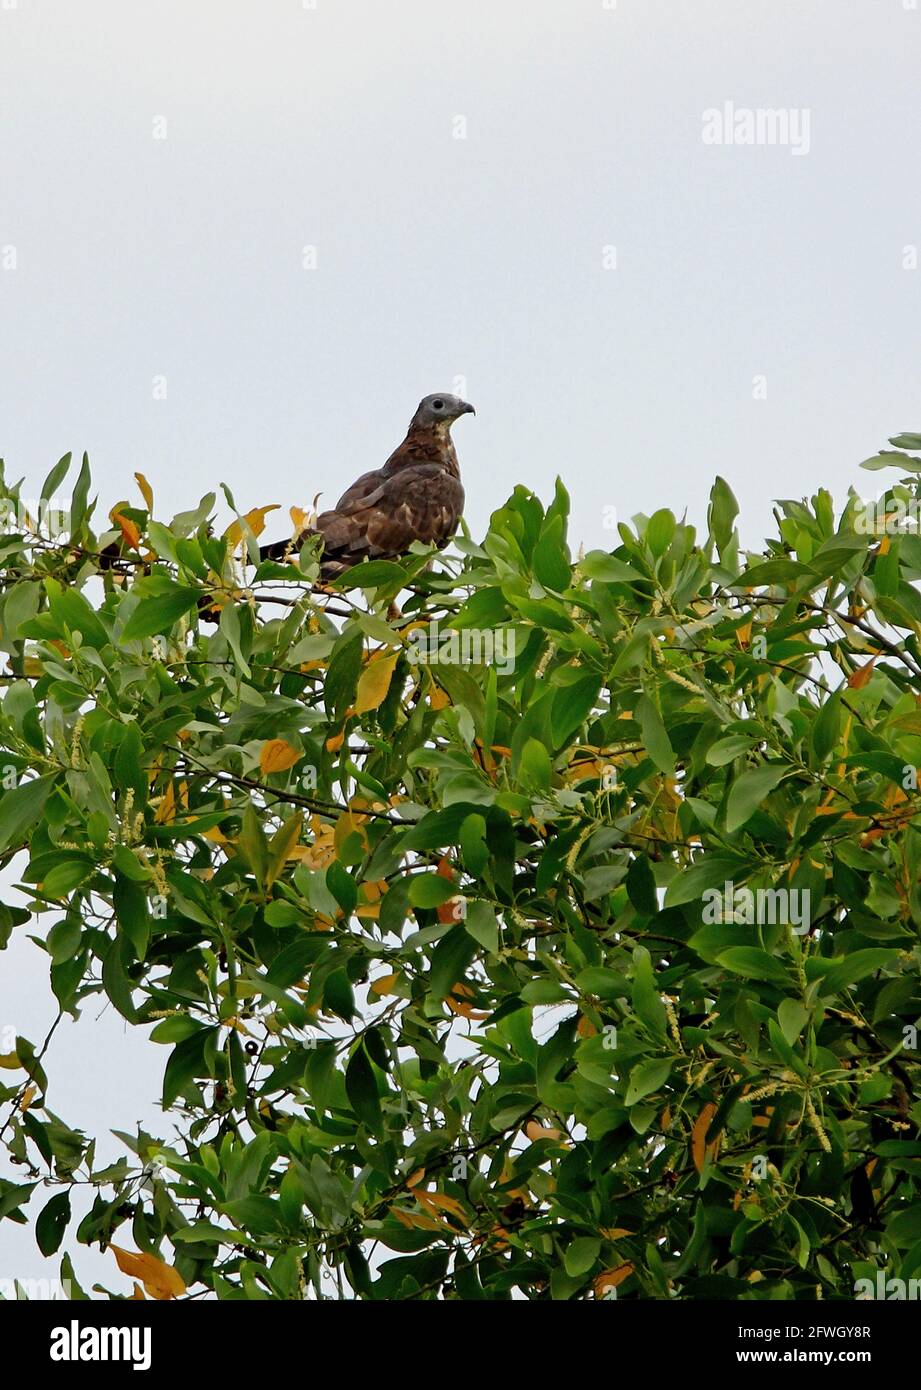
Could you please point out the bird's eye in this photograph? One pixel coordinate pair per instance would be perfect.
(438, 405)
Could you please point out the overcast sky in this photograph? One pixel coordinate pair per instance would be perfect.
(240, 239)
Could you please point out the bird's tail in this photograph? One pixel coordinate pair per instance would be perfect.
(281, 550)
(330, 567)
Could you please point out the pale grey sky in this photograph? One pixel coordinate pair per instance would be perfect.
(444, 263)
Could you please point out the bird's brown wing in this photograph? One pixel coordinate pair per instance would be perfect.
(418, 503)
(367, 483)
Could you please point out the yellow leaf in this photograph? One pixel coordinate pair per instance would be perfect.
(350, 824)
(417, 1220)
(299, 518)
(254, 519)
(277, 756)
(374, 683)
(385, 984)
(534, 1130)
(9, 1061)
(138, 1292)
(236, 1025)
(166, 811)
(440, 1201)
(322, 851)
(371, 894)
(27, 1098)
(335, 742)
(160, 1280)
(146, 490)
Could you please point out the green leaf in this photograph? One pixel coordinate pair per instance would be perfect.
(21, 808)
(748, 791)
(647, 1001)
(345, 664)
(722, 513)
(73, 614)
(608, 569)
(792, 1017)
(888, 458)
(371, 574)
(754, 964)
(157, 614)
(430, 890)
(78, 502)
(552, 564)
(572, 704)
(338, 995)
(836, 974)
(450, 959)
(361, 1088)
(647, 1078)
(343, 887)
(534, 767)
(660, 531)
(655, 738)
(130, 903)
(52, 1223)
(581, 1255)
(55, 477)
(641, 886)
(480, 921)
(116, 981)
(186, 1062)
(708, 871)
(473, 844)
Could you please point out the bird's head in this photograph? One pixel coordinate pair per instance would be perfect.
(441, 409)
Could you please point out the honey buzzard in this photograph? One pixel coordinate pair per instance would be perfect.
(416, 496)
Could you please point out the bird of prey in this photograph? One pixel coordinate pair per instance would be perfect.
(416, 496)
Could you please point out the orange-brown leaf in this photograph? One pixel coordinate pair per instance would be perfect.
(127, 527)
(610, 1279)
(858, 679)
(699, 1147)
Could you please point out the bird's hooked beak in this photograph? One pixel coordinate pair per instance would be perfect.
(467, 408)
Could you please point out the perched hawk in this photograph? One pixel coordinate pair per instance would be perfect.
(416, 496)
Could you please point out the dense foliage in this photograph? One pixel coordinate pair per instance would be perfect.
(554, 934)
